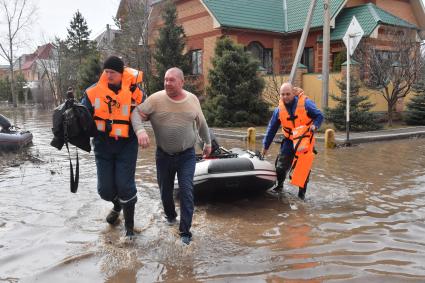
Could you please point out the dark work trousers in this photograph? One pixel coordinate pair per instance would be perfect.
(116, 167)
(167, 166)
(283, 164)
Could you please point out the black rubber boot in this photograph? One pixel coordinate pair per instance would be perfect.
(282, 164)
(302, 191)
(129, 219)
(113, 215)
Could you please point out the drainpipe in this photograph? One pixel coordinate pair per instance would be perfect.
(285, 16)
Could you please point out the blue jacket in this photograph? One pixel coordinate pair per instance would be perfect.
(287, 146)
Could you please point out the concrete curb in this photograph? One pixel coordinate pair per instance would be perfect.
(355, 138)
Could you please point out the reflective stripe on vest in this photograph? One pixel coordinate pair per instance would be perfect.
(297, 129)
(300, 117)
(97, 103)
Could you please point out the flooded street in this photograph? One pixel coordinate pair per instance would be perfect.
(363, 220)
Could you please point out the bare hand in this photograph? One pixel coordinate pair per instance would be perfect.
(263, 152)
(313, 128)
(143, 139)
(207, 151)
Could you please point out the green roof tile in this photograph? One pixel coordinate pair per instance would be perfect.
(369, 17)
(267, 15)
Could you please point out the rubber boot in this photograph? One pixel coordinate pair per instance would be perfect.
(301, 192)
(113, 215)
(129, 220)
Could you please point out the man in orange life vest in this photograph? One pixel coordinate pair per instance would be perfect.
(294, 110)
(111, 101)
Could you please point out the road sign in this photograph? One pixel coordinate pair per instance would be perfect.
(354, 33)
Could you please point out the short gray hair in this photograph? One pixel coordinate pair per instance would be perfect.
(177, 71)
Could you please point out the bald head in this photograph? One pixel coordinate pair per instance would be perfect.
(178, 73)
(287, 93)
(173, 82)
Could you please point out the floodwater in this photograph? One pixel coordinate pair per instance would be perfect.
(363, 220)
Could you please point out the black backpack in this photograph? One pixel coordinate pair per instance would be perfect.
(74, 124)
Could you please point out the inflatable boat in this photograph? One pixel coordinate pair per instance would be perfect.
(11, 138)
(232, 171)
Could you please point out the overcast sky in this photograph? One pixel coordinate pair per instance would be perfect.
(53, 17)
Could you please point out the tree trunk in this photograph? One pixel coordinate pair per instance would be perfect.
(390, 115)
(12, 88)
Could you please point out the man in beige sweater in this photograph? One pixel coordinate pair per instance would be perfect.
(176, 117)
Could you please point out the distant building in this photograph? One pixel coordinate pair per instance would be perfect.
(105, 41)
(34, 68)
(4, 71)
(271, 29)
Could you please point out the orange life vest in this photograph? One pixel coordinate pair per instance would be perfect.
(297, 129)
(112, 111)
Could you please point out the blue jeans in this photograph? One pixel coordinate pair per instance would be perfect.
(167, 166)
(116, 167)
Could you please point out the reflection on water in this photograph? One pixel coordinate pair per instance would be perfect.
(363, 220)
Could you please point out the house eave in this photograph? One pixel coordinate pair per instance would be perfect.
(216, 23)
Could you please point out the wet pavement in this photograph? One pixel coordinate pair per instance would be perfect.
(363, 220)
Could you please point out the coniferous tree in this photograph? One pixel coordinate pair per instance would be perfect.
(361, 118)
(89, 73)
(234, 93)
(415, 111)
(78, 50)
(5, 92)
(169, 46)
(78, 37)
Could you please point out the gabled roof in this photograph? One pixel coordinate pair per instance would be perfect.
(369, 16)
(268, 15)
(42, 52)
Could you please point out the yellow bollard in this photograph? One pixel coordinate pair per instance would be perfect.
(251, 139)
(330, 138)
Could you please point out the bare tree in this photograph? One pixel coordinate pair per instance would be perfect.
(49, 75)
(394, 70)
(272, 89)
(16, 15)
(132, 42)
(273, 83)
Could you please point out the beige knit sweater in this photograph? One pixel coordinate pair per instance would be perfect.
(176, 124)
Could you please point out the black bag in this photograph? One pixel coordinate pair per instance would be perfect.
(74, 124)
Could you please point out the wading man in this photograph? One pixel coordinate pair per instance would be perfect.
(295, 113)
(176, 117)
(111, 101)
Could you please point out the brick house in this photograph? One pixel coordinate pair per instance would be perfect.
(272, 32)
(34, 67)
(4, 71)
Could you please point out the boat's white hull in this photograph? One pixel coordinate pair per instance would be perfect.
(244, 173)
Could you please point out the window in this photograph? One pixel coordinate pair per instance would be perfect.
(196, 61)
(263, 55)
(387, 55)
(308, 59)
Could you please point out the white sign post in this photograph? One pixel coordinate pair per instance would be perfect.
(351, 39)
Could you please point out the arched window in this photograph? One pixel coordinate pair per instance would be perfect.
(263, 55)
